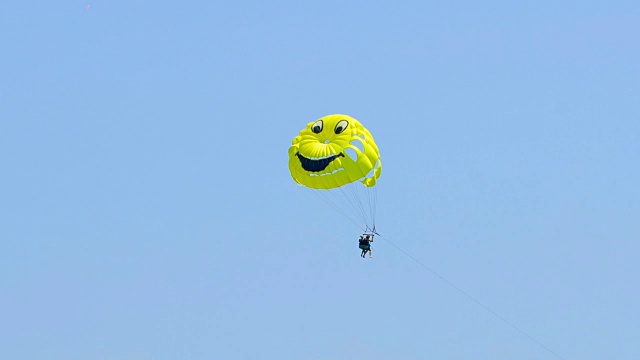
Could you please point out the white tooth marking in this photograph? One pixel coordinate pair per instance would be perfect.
(327, 173)
(318, 158)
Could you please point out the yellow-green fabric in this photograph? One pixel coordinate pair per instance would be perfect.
(313, 148)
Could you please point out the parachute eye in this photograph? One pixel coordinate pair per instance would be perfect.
(317, 127)
(341, 126)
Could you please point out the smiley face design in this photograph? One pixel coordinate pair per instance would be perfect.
(333, 151)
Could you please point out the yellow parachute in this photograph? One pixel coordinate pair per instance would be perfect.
(337, 152)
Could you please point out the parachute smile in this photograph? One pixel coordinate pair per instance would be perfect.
(317, 164)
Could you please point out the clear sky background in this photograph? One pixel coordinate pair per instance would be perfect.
(147, 211)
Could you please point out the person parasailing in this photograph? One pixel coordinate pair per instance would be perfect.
(337, 158)
(364, 243)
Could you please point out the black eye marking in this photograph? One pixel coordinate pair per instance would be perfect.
(317, 127)
(341, 126)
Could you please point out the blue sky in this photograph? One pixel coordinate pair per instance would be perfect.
(148, 212)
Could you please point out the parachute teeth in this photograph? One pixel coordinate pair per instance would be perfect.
(320, 158)
(327, 173)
